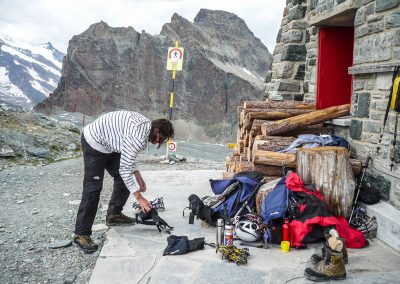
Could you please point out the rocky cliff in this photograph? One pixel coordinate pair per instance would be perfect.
(118, 68)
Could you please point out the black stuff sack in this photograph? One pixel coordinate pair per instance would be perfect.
(181, 245)
(369, 195)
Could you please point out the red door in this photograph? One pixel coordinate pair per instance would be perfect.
(335, 55)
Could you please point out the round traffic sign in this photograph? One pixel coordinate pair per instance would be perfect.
(172, 146)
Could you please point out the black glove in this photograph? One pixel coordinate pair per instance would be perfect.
(181, 245)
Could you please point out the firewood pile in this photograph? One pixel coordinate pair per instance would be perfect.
(265, 127)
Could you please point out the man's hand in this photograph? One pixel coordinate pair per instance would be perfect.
(140, 181)
(143, 202)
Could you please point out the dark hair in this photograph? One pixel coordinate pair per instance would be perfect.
(164, 126)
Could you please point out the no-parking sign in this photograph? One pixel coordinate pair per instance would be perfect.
(172, 146)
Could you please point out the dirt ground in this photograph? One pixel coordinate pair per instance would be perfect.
(39, 206)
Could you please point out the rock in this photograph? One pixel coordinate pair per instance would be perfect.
(41, 152)
(20, 201)
(60, 244)
(74, 202)
(72, 147)
(35, 212)
(66, 194)
(99, 227)
(217, 66)
(6, 151)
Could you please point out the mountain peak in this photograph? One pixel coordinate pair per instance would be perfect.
(29, 73)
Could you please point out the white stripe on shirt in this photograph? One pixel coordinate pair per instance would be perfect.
(122, 132)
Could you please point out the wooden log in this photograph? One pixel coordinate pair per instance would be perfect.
(312, 118)
(274, 114)
(227, 175)
(249, 153)
(271, 143)
(256, 127)
(329, 169)
(274, 158)
(267, 170)
(278, 105)
(245, 166)
(313, 129)
(356, 166)
(269, 178)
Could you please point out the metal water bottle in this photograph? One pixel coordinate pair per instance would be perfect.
(228, 234)
(285, 230)
(220, 232)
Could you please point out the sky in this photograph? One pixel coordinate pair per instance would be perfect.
(56, 21)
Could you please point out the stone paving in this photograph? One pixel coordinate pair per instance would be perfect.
(134, 254)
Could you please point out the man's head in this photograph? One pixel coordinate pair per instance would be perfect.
(161, 130)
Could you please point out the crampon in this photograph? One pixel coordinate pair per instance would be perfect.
(233, 254)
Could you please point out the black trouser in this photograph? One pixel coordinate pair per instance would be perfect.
(95, 164)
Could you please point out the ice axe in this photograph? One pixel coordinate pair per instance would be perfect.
(365, 166)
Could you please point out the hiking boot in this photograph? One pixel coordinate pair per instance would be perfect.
(85, 243)
(318, 256)
(119, 220)
(330, 268)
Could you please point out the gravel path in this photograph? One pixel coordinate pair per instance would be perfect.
(38, 210)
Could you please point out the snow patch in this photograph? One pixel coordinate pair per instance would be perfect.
(8, 88)
(15, 52)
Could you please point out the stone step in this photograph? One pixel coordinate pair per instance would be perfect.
(388, 218)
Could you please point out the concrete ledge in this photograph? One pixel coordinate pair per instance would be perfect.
(373, 68)
(341, 121)
(388, 219)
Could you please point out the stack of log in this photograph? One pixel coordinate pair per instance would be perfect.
(265, 127)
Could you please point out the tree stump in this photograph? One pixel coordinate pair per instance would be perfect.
(329, 169)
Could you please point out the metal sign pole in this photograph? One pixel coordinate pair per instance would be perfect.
(171, 100)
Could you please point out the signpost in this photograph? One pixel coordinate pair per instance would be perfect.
(174, 63)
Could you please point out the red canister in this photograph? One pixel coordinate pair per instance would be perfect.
(285, 230)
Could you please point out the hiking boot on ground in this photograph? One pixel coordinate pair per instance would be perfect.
(330, 268)
(318, 256)
(85, 243)
(119, 220)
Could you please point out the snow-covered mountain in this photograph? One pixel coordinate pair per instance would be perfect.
(28, 73)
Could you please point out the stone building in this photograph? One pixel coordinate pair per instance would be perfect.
(344, 51)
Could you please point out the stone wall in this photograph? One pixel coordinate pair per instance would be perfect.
(376, 52)
(286, 76)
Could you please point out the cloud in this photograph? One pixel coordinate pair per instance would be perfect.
(58, 21)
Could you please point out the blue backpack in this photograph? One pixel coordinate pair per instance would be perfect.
(275, 203)
(244, 190)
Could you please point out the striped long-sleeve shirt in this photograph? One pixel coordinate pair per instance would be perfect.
(122, 132)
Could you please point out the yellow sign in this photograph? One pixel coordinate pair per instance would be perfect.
(175, 58)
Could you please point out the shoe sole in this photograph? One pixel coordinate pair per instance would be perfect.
(84, 249)
(316, 279)
(120, 224)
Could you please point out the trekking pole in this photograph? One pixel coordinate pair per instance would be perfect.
(395, 73)
(365, 166)
(393, 152)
